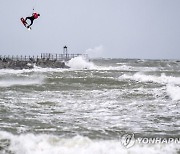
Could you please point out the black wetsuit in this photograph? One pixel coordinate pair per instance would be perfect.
(31, 19)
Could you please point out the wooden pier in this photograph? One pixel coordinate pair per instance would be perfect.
(43, 56)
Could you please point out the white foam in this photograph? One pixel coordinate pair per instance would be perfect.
(171, 83)
(174, 92)
(12, 71)
(21, 81)
(35, 69)
(49, 144)
(120, 68)
(80, 63)
(163, 79)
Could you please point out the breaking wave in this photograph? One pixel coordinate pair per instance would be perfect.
(83, 63)
(46, 144)
(171, 83)
(173, 91)
(11, 80)
(80, 63)
(163, 79)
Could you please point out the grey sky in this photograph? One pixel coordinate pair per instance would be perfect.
(119, 28)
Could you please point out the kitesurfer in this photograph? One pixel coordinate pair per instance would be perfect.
(34, 16)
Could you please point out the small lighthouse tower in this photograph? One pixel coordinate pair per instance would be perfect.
(65, 50)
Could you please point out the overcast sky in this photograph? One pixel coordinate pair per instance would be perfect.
(103, 28)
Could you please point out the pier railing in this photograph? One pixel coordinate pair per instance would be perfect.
(43, 56)
(61, 57)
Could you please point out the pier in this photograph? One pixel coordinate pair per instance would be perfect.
(43, 56)
(43, 60)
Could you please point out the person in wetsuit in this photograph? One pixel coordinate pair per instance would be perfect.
(34, 16)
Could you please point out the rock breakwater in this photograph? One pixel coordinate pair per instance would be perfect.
(7, 63)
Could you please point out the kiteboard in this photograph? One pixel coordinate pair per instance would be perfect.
(25, 23)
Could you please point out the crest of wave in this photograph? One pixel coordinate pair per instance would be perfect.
(173, 91)
(163, 79)
(21, 81)
(49, 144)
(80, 63)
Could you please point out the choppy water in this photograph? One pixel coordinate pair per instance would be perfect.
(86, 109)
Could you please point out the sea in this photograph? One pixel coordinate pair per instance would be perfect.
(98, 106)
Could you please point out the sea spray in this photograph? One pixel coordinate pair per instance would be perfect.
(95, 52)
(174, 92)
(80, 63)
